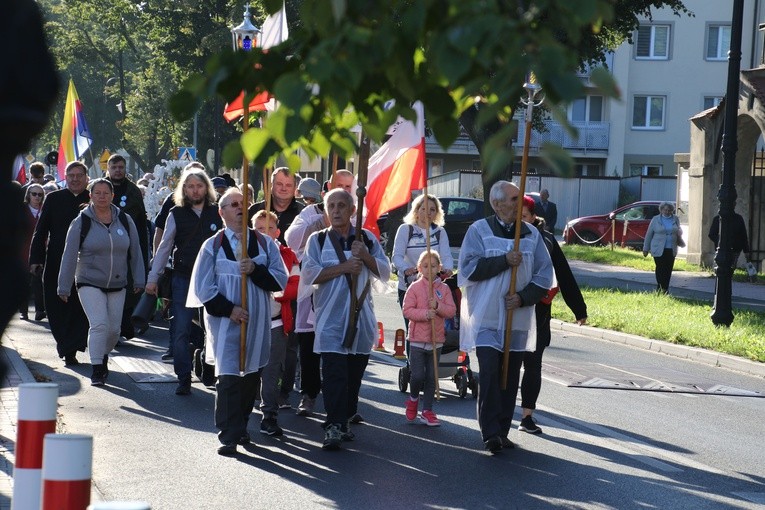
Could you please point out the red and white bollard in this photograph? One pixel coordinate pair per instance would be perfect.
(36, 418)
(66, 471)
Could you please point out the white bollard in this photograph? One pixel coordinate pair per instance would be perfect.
(66, 471)
(120, 505)
(36, 418)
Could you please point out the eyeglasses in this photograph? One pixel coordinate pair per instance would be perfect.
(33, 194)
(235, 205)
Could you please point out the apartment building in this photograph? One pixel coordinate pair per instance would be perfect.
(676, 68)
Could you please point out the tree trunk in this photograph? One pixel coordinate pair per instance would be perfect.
(479, 136)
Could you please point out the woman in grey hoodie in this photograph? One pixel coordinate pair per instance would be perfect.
(100, 244)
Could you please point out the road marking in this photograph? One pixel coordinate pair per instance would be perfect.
(629, 446)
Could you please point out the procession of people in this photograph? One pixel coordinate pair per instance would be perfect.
(255, 287)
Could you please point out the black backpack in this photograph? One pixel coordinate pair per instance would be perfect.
(86, 222)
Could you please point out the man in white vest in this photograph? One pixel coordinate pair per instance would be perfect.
(485, 263)
(216, 285)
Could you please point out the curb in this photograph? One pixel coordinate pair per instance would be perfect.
(14, 359)
(705, 356)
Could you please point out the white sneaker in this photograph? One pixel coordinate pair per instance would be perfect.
(306, 406)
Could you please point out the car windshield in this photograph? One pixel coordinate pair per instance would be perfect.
(460, 208)
(631, 214)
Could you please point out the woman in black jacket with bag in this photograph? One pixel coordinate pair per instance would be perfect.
(566, 283)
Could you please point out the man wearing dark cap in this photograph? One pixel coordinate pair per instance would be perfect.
(220, 185)
(309, 190)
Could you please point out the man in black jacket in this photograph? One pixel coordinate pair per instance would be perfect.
(68, 322)
(283, 201)
(566, 283)
(547, 210)
(739, 239)
(193, 219)
(129, 198)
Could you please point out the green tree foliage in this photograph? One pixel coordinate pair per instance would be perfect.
(465, 60)
(137, 54)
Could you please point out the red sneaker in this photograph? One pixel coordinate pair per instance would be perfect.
(429, 418)
(411, 408)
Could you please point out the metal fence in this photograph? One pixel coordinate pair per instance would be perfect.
(574, 197)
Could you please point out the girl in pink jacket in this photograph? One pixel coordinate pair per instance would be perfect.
(425, 315)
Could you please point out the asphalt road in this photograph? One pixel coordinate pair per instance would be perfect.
(600, 448)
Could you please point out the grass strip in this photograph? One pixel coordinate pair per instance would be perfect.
(676, 320)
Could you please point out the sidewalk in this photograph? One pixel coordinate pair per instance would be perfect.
(699, 286)
(17, 373)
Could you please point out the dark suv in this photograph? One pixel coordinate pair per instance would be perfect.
(459, 214)
(596, 230)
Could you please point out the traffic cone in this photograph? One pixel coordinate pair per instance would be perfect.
(66, 471)
(381, 339)
(399, 345)
(36, 418)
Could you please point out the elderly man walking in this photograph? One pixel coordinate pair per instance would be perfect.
(485, 263)
(333, 257)
(312, 218)
(216, 284)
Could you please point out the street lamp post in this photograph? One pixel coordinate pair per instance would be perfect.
(244, 37)
(532, 88)
(722, 313)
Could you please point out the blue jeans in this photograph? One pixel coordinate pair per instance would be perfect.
(181, 326)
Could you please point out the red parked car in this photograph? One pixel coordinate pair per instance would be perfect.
(596, 230)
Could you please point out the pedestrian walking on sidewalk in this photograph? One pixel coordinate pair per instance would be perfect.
(101, 244)
(33, 200)
(190, 223)
(426, 313)
(564, 281)
(216, 283)
(662, 239)
(68, 322)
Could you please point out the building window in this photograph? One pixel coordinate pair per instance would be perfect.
(587, 170)
(718, 42)
(652, 42)
(435, 167)
(586, 109)
(711, 101)
(648, 112)
(647, 170)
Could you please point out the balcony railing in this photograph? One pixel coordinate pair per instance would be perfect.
(590, 137)
(593, 138)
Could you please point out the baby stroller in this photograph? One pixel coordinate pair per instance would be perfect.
(453, 364)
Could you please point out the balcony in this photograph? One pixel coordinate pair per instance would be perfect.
(592, 140)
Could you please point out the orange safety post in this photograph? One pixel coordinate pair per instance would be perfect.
(381, 339)
(399, 345)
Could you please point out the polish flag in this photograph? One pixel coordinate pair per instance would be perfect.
(275, 31)
(19, 170)
(396, 169)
